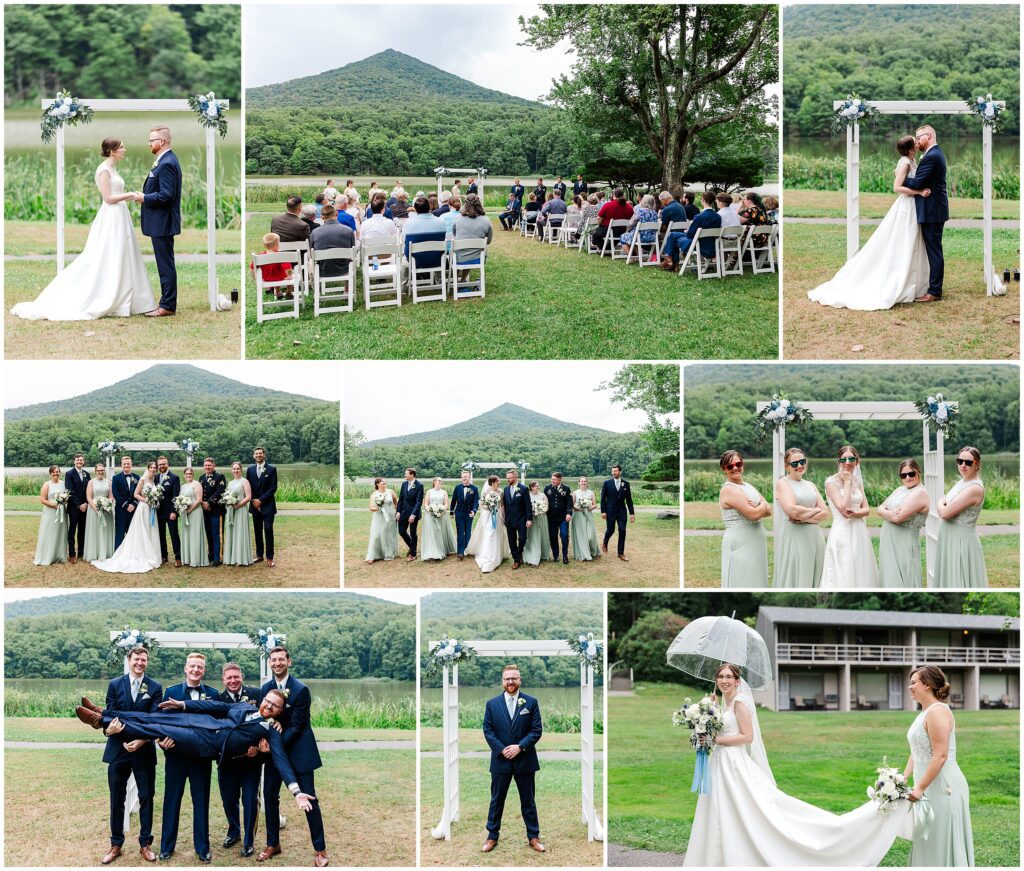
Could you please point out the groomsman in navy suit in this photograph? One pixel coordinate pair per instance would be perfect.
(122, 491)
(517, 190)
(410, 504)
(181, 766)
(262, 478)
(518, 515)
(167, 517)
(75, 481)
(616, 505)
(465, 504)
(132, 692)
(303, 755)
(512, 728)
(239, 777)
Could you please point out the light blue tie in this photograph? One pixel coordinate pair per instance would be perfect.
(511, 704)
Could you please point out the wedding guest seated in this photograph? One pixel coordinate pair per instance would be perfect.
(400, 209)
(574, 210)
(725, 212)
(421, 221)
(616, 209)
(472, 223)
(455, 204)
(752, 210)
(273, 271)
(332, 234)
(554, 210)
(671, 210)
(587, 213)
(443, 204)
(433, 201)
(344, 211)
(513, 208)
(378, 226)
(691, 210)
(677, 244)
(771, 207)
(289, 226)
(645, 213)
(308, 214)
(320, 200)
(384, 209)
(532, 208)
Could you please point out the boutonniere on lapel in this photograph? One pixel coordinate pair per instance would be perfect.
(287, 692)
(203, 697)
(522, 706)
(155, 162)
(246, 699)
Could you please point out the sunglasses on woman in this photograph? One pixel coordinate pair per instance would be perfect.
(908, 475)
(961, 462)
(732, 467)
(847, 459)
(796, 464)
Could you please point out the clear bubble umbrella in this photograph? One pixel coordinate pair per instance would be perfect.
(707, 642)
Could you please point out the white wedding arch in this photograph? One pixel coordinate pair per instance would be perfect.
(211, 172)
(520, 467)
(110, 448)
(450, 728)
(919, 108)
(190, 641)
(479, 174)
(934, 471)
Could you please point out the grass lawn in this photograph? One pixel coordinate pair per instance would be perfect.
(306, 556)
(652, 546)
(39, 237)
(368, 801)
(966, 325)
(594, 309)
(826, 759)
(832, 204)
(558, 807)
(194, 333)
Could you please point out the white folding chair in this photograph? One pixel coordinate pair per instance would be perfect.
(645, 250)
(569, 227)
(707, 267)
(381, 263)
(334, 293)
(761, 249)
(553, 229)
(586, 238)
(730, 250)
(428, 283)
(305, 268)
(528, 228)
(611, 238)
(276, 308)
(475, 250)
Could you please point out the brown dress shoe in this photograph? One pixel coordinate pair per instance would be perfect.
(604, 547)
(623, 557)
(147, 854)
(535, 844)
(177, 563)
(270, 563)
(73, 560)
(91, 718)
(488, 846)
(267, 853)
(927, 298)
(112, 854)
(515, 566)
(90, 706)
(320, 859)
(160, 313)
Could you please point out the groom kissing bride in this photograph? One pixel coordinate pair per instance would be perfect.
(903, 260)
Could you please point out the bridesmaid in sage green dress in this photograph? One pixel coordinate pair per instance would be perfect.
(538, 544)
(799, 545)
(745, 543)
(959, 561)
(237, 544)
(52, 543)
(903, 514)
(582, 531)
(937, 777)
(383, 526)
(191, 525)
(99, 525)
(437, 537)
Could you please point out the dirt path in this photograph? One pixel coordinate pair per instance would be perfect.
(622, 856)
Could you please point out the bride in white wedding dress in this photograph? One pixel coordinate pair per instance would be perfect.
(892, 267)
(140, 550)
(746, 820)
(849, 558)
(489, 541)
(108, 277)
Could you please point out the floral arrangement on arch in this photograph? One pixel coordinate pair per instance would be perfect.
(853, 111)
(940, 414)
(210, 112)
(109, 447)
(267, 639)
(64, 111)
(778, 413)
(987, 109)
(589, 650)
(447, 651)
(126, 641)
(189, 446)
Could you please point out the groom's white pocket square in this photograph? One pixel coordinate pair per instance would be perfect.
(524, 711)
(146, 696)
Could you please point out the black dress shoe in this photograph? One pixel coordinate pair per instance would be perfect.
(230, 842)
(204, 857)
(248, 851)
(565, 560)
(165, 856)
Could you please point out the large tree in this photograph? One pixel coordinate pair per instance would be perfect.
(654, 390)
(668, 72)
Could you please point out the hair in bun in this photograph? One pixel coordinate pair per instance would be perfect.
(109, 146)
(934, 678)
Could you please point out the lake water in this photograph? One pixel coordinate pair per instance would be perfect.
(327, 690)
(1005, 149)
(873, 468)
(297, 472)
(556, 698)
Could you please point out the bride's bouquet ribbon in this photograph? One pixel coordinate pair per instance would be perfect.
(702, 772)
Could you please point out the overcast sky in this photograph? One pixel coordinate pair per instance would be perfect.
(49, 380)
(425, 396)
(404, 597)
(475, 42)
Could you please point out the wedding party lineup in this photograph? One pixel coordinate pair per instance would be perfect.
(596, 445)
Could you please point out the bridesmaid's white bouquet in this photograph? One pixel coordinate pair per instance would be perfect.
(229, 500)
(437, 510)
(540, 506)
(181, 505)
(889, 787)
(380, 499)
(62, 499)
(705, 719)
(104, 504)
(584, 503)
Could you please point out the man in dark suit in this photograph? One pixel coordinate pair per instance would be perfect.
(161, 216)
(410, 503)
(166, 515)
(559, 187)
(262, 478)
(517, 190)
(303, 755)
(75, 481)
(688, 206)
(132, 692)
(559, 516)
(238, 777)
(472, 189)
(183, 765)
(465, 504)
(512, 728)
(289, 225)
(122, 491)
(932, 208)
(677, 243)
(616, 505)
(579, 187)
(541, 191)
(518, 515)
(214, 485)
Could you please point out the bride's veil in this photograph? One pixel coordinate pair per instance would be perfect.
(756, 747)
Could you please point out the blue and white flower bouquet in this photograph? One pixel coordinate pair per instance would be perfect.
(889, 787)
(705, 719)
(109, 447)
(589, 650)
(941, 415)
(779, 412)
(210, 111)
(853, 110)
(987, 109)
(64, 111)
(447, 651)
(125, 642)
(267, 639)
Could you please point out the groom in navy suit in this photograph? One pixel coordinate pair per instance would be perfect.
(410, 505)
(262, 478)
(122, 491)
(616, 505)
(465, 504)
(161, 216)
(512, 728)
(518, 515)
(932, 208)
(75, 481)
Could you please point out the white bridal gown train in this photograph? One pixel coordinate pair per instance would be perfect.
(747, 821)
(140, 549)
(891, 268)
(489, 541)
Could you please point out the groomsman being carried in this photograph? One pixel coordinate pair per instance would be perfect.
(122, 491)
(170, 485)
(410, 504)
(262, 478)
(465, 504)
(616, 503)
(239, 777)
(214, 485)
(518, 516)
(559, 516)
(75, 481)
